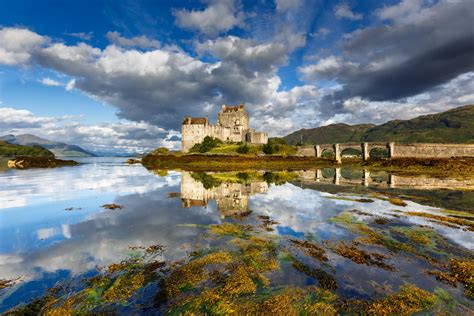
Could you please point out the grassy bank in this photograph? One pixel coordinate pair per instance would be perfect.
(458, 168)
(232, 163)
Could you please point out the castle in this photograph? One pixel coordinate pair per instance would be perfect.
(232, 126)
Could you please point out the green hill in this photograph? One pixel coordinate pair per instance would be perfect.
(58, 148)
(334, 133)
(453, 126)
(12, 150)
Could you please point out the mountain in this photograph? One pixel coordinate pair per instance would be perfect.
(12, 150)
(59, 149)
(334, 133)
(453, 126)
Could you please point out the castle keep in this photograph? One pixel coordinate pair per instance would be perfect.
(232, 126)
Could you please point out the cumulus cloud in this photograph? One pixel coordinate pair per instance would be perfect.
(123, 136)
(407, 55)
(162, 85)
(17, 45)
(137, 41)
(50, 82)
(219, 16)
(343, 11)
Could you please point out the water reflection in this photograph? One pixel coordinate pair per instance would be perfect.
(231, 198)
(381, 179)
(43, 243)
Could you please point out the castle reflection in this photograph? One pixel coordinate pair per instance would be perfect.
(231, 197)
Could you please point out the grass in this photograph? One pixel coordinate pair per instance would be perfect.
(231, 162)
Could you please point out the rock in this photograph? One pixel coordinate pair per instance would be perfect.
(112, 206)
(38, 162)
(132, 161)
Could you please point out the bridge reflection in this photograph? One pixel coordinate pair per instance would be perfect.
(340, 176)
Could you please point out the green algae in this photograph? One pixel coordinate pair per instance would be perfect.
(235, 277)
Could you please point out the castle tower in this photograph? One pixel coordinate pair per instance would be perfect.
(235, 118)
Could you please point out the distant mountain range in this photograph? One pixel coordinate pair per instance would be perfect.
(453, 126)
(59, 149)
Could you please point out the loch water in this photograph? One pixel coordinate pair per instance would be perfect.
(54, 230)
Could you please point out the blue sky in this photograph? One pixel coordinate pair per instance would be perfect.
(120, 75)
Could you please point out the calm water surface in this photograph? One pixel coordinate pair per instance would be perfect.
(53, 228)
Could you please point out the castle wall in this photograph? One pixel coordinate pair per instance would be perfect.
(257, 137)
(232, 126)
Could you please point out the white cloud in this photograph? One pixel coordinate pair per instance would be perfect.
(326, 68)
(123, 136)
(17, 45)
(322, 32)
(218, 17)
(405, 8)
(344, 11)
(81, 35)
(70, 85)
(50, 82)
(137, 41)
(286, 5)
(11, 118)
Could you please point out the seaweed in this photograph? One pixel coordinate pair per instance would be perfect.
(444, 220)
(326, 281)
(360, 256)
(463, 271)
(408, 300)
(311, 249)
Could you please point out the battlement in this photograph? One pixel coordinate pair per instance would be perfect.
(230, 108)
(195, 121)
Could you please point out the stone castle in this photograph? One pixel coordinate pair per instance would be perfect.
(232, 126)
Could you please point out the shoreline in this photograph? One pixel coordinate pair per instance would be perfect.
(455, 167)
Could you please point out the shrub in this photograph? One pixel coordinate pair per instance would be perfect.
(243, 149)
(268, 149)
(274, 146)
(207, 144)
(161, 151)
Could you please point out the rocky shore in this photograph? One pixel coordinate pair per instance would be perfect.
(38, 162)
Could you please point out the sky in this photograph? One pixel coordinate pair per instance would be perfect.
(121, 75)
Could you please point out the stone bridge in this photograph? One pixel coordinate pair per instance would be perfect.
(395, 150)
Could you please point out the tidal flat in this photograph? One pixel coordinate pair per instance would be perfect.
(324, 241)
